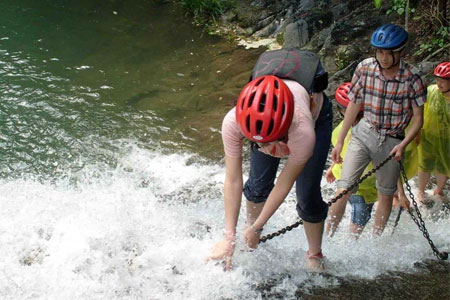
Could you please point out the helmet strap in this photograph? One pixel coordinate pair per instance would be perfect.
(394, 64)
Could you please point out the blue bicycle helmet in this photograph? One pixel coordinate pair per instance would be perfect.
(389, 37)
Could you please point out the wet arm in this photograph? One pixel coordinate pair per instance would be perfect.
(232, 193)
(416, 126)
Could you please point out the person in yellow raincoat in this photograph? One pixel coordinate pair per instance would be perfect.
(363, 200)
(434, 146)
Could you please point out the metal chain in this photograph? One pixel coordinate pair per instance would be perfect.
(397, 219)
(419, 221)
(342, 194)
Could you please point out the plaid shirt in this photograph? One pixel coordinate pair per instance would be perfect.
(387, 103)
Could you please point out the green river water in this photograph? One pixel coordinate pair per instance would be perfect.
(112, 60)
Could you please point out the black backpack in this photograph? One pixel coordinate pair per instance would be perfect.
(301, 66)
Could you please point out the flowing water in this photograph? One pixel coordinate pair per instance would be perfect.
(110, 171)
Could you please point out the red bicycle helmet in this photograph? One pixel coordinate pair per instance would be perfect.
(341, 95)
(265, 109)
(442, 70)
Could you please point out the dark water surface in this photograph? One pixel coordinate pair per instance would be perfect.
(98, 102)
(103, 65)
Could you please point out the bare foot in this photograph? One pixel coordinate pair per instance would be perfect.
(420, 198)
(314, 263)
(438, 194)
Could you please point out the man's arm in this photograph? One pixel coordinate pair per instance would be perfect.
(416, 125)
(402, 199)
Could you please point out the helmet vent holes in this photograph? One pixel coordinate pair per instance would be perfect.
(268, 109)
(247, 123)
(275, 103)
(250, 99)
(271, 124)
(262, 103)
(259, 125)
(259, 81)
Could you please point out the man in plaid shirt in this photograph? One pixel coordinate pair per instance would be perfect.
(391, 93)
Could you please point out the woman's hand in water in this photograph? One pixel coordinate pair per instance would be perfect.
(251, 238)
(224, 250)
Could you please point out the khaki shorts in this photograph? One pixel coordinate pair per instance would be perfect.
(367, 145)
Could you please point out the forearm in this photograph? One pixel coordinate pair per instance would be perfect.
(232, 193)
(232, 198)
(415, 127)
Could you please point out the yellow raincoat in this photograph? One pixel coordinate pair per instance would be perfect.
(434, 147)
(367, 188)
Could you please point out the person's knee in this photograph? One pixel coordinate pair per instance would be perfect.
(314, 212)
(256, 193)
(345, 185)
(386, 190)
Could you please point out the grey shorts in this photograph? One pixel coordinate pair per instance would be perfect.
(367, 145)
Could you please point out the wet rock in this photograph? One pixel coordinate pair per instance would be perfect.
(306, 4)
(340, 77)
(296, 34)
(339, 10)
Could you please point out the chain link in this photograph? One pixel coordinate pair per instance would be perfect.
(342, 194)
(419, 221)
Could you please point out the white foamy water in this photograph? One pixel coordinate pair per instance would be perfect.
(143, 229)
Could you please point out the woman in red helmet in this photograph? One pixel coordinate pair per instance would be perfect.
(434, 147)
(276, 116)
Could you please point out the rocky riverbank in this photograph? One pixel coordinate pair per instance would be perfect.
(338, 31)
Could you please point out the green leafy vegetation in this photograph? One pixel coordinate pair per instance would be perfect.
(399, 7)
(437, 41)
(378, 3)
(342, 58)
(205, 11)
(429, 22)
(432, 27)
